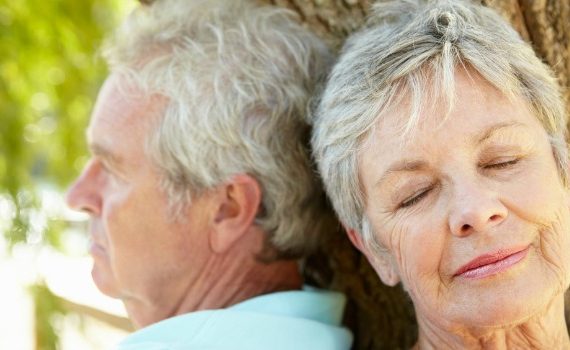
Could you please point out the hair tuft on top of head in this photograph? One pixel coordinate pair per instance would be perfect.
(446, 24)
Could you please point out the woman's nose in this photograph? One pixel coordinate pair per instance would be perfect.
(475, 209)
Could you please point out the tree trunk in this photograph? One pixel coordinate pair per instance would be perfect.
(383, 317)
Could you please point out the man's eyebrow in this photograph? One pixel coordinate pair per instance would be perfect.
(102, 152)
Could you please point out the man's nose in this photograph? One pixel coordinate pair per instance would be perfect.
(475, 209)
(83, 194)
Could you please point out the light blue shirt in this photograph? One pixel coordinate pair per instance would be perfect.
(295, 320)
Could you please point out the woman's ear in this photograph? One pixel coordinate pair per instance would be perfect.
(382, 262)
(238, 202)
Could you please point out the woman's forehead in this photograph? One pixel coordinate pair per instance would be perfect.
(479, 111)
(473, 102)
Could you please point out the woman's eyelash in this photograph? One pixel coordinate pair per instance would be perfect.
(415, 198)
(502, 164)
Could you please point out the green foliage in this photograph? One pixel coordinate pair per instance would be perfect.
(47, 307)
(49, 76)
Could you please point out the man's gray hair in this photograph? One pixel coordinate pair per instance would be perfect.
(237, 78)
(411, 49)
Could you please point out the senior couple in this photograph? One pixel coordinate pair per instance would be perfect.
(438, 134)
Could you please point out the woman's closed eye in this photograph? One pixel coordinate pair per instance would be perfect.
(501, 164)
(415, 198)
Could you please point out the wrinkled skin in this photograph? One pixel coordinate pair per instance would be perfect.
(141, 254)
(482, 181)
(158, 263)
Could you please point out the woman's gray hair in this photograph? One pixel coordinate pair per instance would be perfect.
(411, 49)
(237, 78)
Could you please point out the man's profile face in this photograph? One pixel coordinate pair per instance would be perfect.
(141, 253)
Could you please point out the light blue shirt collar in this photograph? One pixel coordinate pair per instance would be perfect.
(297, 320)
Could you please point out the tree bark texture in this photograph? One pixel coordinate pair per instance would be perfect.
(383, 317)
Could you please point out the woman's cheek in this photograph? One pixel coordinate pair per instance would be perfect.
(419, 247)
(542, 201)
(539, 192)
(554, 246)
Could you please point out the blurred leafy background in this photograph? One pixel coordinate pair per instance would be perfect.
(49, 76)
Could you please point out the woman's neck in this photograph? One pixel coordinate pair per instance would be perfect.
(546, 330)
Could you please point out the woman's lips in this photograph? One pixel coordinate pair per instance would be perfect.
(491, 264)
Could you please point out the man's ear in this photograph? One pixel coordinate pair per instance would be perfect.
(382, 262)
(237, 205)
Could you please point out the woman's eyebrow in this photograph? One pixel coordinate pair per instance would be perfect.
(489, 132)
(400, 166)
(414, 165)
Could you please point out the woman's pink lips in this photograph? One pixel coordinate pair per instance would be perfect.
(491, 264)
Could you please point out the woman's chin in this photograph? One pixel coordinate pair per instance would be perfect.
(504, 307)
(500, 302)
(505, 315)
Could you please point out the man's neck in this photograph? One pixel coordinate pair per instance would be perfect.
(241, 281)
(544, 331)
(226, 279)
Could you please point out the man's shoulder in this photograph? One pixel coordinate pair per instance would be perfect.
(308, 319)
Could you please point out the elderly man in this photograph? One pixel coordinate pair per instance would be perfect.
(199, 187)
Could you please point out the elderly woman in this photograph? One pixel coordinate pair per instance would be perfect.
(440, 137)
